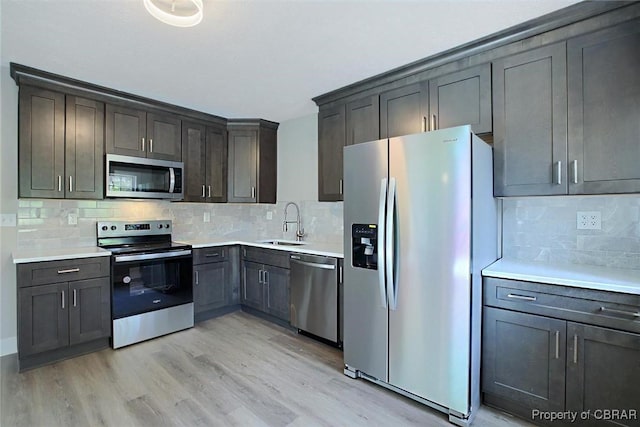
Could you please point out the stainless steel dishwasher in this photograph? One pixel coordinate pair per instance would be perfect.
(314, 295)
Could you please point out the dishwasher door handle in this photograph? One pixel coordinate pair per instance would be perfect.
(314, 265)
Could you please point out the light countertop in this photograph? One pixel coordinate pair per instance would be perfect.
(38, 255)
(579, 276)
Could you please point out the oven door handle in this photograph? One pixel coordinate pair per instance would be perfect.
(157, 255)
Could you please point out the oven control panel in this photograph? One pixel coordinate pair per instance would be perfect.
(133, 228)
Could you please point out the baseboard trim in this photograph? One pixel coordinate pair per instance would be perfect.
(8, 346)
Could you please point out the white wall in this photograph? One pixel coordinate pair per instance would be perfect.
(298, 159)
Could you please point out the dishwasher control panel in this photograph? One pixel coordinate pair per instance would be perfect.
(364, 246)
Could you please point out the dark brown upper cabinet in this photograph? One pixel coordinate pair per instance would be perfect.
(404, 111)
(253, 162)
(61, 145)
(204, 152)
(363, 120)
(461, 98)
(331, 141)
(604, 111)
(530, 122)
(134, 132)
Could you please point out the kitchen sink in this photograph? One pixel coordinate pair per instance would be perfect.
(282, 242)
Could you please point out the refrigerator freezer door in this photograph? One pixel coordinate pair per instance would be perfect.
(429, 331)
(365, 317)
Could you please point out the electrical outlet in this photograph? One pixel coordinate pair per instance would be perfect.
(591, 220)
(269, 215)
(206, 217)
(8, 220)
(72, 219)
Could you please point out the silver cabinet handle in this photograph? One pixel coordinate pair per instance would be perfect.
(75, 302)
(522, 297)
(143, 144)
(557, 344)
(575, 349)
(341, 186)
(260, 277)
(209, 191)
(212, 255)
(424, 123)
(266, 277)
(339, 274)
(433, 122)
(59, 182)
(62, 299)
(575, 171)
(70, 184)
(203, 190)
(150, 145)
(197, 277)
(625, 312)
(70, 270)
(244, 287)
(253, 192)
(559, 172)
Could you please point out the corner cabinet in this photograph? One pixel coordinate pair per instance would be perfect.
(134, 132)
(252, 173)
(204, 153)
(215, 281)
(553, 348)
(61, 145)
(265, 281)
(64, 309)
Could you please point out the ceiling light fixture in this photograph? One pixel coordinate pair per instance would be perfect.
(179, 13)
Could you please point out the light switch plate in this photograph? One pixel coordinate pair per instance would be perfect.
(7, 220)
(206, 217)
(269, 215)
(72, 219)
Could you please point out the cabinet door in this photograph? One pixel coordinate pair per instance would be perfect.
(125, 131)
(462, 98)
(89, 309)
(603, 371)
(252, 285)
(164, 137)
(331, 141)
(403, 111)
(363, 120)
(604, 111)
(84, 147)
(43, 318)
(242, 165)
(277, 297)
(210, 290)
(216, 164)
(41, 158)
(194, 157)
(530, 123)
(523, 358)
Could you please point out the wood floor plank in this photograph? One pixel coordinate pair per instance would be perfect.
(235, 370)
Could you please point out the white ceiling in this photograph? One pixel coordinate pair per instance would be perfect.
(253, 58)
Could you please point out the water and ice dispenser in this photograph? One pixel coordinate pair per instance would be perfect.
(364, 245)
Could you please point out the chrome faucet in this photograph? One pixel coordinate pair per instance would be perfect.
(299, 229)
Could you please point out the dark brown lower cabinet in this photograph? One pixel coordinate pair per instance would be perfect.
(215, 281)
(536, 365)
(265, 282)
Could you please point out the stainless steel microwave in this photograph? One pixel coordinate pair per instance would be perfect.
(140, 178)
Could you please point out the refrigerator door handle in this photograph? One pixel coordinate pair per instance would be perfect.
(381, 241)
(392, 291)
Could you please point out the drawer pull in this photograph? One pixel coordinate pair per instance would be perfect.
(626, 313)
(521, 297)
(212, 255)
(71, 270)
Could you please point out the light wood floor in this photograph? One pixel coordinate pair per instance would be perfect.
(234, 370)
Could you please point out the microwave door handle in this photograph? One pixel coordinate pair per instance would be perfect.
(172, 180)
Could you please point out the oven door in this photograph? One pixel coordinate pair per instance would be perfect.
(144, 282)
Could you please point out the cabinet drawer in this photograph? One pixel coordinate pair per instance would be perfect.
(266, 256)
(208, 255)
(609, 309)
(39, 273)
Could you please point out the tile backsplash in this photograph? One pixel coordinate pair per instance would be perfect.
(45, 223)
(545, 229)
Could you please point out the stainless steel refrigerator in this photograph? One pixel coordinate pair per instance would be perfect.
(420, 224)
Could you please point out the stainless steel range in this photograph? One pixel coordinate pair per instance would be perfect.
(151, 280)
